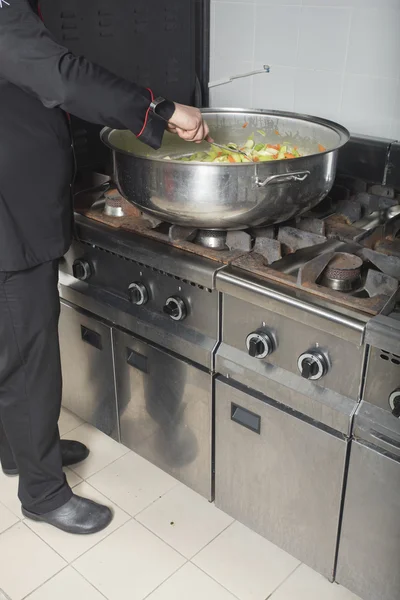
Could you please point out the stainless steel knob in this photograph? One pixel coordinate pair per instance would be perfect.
(313, 365)
(138, 294)
(175, 308)
(394, 403)
(82, 269)
(260, 344)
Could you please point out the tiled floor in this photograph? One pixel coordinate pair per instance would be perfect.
(165, 543)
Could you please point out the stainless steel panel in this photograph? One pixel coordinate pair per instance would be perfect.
(156, 327)
(369, 547)
(163, 257)
(294, 304)
(285, 482)
(293, 338)
(88, 372)
(321, 404)
(378, 427)
(165, 408)
(383, 377)
(384, 332)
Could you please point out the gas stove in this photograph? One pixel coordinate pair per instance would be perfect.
(244, 363)
(347, 251)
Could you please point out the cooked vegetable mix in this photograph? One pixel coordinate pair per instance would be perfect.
(255, 152)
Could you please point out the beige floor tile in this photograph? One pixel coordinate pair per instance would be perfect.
(7, 518)
(67, 585)
(245, 563)
(103, 450)
(184, 520)
(306, 584)
(190, 583)
(68, 422)
(71, 546)
(129, 564)
(9, 494)
(26, 562)
(132, 483)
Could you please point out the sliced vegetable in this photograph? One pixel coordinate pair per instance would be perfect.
(245, 125)
(253, 152)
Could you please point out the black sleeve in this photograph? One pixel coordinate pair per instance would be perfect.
(32, 60)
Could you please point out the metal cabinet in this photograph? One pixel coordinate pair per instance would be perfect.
(369, 551)
(88, 371)
(279, 474)
(165, 410)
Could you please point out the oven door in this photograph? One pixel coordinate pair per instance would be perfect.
(165, 408)
(87, 368)
(280, 474)
(369, 551)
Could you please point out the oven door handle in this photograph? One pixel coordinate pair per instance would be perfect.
(136, 360)
(246, 418)
(91, 337)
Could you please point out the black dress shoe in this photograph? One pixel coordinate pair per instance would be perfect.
(79, 515)
(71, 453)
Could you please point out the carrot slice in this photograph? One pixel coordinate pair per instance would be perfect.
(256, 159)
(321, 148)
(245, 125)
(289, 155)
(276, 132)
(231, 159)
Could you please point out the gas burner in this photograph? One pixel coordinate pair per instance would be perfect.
(210, 238)
(343, 272)
(114, 204)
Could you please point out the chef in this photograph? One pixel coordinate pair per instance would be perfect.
(41, 81)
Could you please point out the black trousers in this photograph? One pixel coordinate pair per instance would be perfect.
(31, 385)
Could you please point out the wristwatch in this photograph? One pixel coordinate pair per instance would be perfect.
(162, 107)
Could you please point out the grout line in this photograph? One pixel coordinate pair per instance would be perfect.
(213, 540)
(105, 466)
(73, 561)
(44, 582)
(216, 580)
(89, 582)
(344, 73)
(284, 581)
(165, 580)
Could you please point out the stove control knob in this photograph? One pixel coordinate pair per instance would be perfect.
(312, 365)
(138, 294)
(175, 308)
(259, 344)
(82, 269)
(394, 402)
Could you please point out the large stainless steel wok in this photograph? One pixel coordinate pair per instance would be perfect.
(219, 196)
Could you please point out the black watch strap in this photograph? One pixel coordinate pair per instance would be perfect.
(163, 108)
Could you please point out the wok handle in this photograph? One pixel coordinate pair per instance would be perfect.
(283, 178)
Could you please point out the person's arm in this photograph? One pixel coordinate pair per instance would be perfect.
(32, 60)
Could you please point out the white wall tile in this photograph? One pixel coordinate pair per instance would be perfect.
(234, 27)
(280, 2)
(237, 94)
(275, 90)
(338, 59)
(323, 38)
(318, 93)
(374, 47)
(396, 121)
(277, 32)
(368, 105)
